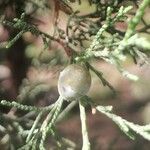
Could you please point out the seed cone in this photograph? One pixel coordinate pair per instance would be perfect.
(74, 82)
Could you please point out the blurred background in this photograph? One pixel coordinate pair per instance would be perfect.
(29, 74)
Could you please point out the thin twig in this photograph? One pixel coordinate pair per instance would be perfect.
(86, 143)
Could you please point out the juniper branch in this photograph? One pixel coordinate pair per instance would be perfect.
(125, 125)
(24, 107)
(85, 138)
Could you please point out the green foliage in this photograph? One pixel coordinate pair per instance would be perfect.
(108, 44)
(127, 127)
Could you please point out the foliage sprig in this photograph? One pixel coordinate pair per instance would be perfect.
(108, 43)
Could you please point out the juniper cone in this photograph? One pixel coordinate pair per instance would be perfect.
(74, 82)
